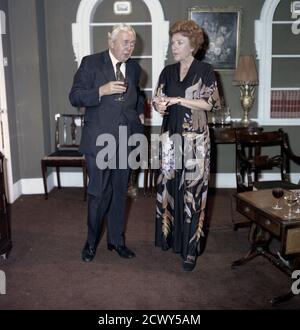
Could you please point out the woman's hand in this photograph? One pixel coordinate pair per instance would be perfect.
(160, 104)
(174, 100)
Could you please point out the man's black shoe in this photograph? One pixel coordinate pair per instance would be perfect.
(122, 250)
(88, 253)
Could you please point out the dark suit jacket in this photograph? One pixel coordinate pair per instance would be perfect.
(106, 115)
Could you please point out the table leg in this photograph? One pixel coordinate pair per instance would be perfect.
(282, 298)
(259, 240)
(295, 265)
(252, 253)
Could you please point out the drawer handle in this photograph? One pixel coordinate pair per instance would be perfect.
(267, 222)
(247, 210)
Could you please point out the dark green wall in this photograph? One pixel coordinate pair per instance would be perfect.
(59, 15)
(43, 72)
(43, 64)
(27, 85)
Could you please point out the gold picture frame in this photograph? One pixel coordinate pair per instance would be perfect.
(222, 27)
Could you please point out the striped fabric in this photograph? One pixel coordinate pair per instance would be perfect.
(285, 104)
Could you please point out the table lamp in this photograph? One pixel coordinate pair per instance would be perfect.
(245, 76)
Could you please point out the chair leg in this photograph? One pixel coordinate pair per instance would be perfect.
(84, 171)
(146, 171)
(44, 171)
(151, 181)
(155, 176)
(132, 190)
(58, 177)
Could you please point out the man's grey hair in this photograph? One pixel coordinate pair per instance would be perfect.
(118, 28)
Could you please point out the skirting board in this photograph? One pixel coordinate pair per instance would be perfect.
(72, 179)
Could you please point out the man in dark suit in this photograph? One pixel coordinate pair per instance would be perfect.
(95, 87)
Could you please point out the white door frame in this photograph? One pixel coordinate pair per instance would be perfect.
(4, 130)
(263, 41)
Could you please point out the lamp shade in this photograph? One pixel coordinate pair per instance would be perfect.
(245, 71)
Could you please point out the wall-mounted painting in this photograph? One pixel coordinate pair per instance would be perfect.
(222, 27)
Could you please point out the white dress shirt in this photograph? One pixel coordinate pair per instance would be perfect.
(115, 61)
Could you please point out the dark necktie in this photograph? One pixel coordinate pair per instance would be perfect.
(119, 74)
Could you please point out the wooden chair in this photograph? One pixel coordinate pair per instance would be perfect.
(67, 134)
(150, 174)
(258, 153)
(150, 178)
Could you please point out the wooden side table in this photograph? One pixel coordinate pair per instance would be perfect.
(266, 224)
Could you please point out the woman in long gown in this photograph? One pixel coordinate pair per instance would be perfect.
(187, 89)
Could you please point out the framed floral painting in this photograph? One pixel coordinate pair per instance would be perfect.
(222, 34)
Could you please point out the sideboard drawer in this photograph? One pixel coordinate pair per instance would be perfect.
(268, 224)
(262, 221)
(244, 208)
(224, 135)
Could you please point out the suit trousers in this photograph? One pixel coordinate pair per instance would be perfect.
(107, 195)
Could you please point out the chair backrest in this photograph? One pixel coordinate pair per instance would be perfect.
(259, 151)
(68, 129)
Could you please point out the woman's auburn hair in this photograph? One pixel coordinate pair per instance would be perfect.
(191, 30)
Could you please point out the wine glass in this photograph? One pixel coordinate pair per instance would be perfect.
(227, 115)
(277, 193)
(290, 199)
(160, 91)
(122, 79)
(159, 96)
(297, 192)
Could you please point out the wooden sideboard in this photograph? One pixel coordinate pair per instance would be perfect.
(5, 237)
(225, 134)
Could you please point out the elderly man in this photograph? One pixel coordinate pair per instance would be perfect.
(110, 104)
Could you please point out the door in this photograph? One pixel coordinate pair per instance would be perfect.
(4, 129)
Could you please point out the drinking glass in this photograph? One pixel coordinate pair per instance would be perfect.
(277, 193)
(159, 96)
(290, 199)
(227, 116)
(159, 93)
(298, 201)
(120, 97)
(221, 117)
